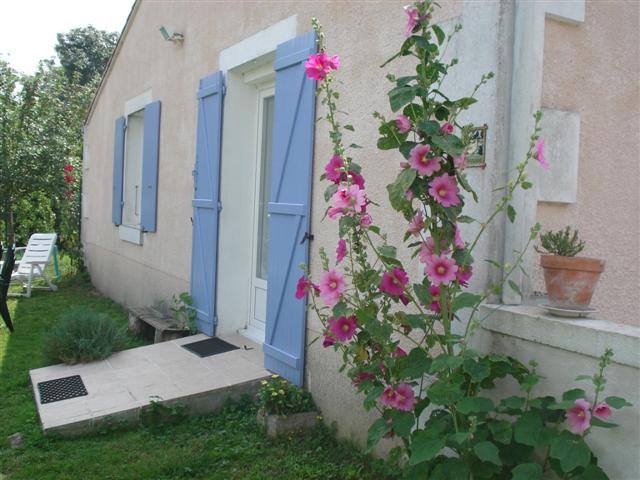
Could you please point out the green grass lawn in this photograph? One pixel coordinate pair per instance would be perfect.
(228, 445)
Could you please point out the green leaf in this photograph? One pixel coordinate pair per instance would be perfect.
(475, 405)
(465, 300)
(439, 34)
(511, 213)
(430, 127)
(445, 362)
(425, 445)
(617, 402)
(528, 429)
(510, 404)
(444, 393)
(400, 96)
(402, 422)
(596, 422)
(349, 127)
(570, 450)
(388, 251)
(398, 189)
(488, 452)
(477, 370)
(583, 377)
(372, 396)
(466, 219)
(592, 472)
(354, 145)
(526, 185)
(458, 438)
(514, 286)
(449, 144)
(501, 431)
(329, 191)
(527, 471)
(402, 81)
(422, 292)
(417, 365)
(574, 394)
(377, 430)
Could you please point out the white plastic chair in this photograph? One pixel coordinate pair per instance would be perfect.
(34, 261)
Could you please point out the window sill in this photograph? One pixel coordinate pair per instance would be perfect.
(588, 337)
(130, 234)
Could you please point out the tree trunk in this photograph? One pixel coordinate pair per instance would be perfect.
(8, 222)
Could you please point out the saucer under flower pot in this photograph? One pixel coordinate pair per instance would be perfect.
(570, 281)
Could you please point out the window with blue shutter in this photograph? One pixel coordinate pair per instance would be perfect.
(289, 207)
(135, 169)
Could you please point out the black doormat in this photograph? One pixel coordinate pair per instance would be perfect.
(61, 389)
(208, 347)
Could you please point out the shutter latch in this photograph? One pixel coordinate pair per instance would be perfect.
(307, 236)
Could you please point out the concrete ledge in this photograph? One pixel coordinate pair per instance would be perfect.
(585, 336)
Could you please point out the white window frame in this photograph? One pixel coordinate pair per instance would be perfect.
(132, 233)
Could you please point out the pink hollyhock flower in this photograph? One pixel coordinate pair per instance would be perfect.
(417, 224)
(441, 269)
(444, 190)
(365, 221)
(393, 282)
(328, 340)
(333, 170)
(464, 274)
(457, 238)
(446, 128)
(424, 165)
(403, 123)
(319, 65)
(331, 287)
(303, 286)
(540, 153)
(460, 162)
(344, 328)
(341, 250)
(405, 398)
(413, 19)
(428, 248)
(357, 179)
(399, 352)
(68, 168)
(602, 410)
(434, 291)
(351, 199)
(579, 416)
(404, 299)
(388, 397)
(334, 213)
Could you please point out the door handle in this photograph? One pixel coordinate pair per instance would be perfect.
(307, 236)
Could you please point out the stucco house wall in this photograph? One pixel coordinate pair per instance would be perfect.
(593, 69)
(364, 35)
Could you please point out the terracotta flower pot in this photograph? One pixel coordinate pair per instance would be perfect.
(570, 281)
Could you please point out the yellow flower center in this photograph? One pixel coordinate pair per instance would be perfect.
(442, 192)
(333, 285)
(345, 328)
(441, 269)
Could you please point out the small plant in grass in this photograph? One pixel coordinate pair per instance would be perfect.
(564, 243)
(83, 335)
(183, 312)
(278, 396)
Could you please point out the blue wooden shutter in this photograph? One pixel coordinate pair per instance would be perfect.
(289, 207)
(150, 150)
(206, 180)
(118, 168)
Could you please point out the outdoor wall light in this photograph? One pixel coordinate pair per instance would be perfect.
(170, 35)
(478, 147)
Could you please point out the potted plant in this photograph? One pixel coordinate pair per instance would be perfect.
(570, 280)
(284, 407)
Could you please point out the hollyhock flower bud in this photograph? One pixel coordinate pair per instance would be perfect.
(602, 410)
(416, 225)
(540, 154)
(403, 124)
(446, 128)
(328, 340)
(341, 250)
(365, 221)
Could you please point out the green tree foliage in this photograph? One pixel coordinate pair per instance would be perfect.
(84, 52)
(41, 121)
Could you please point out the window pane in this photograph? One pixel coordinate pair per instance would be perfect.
(265, 188)
(133, 169)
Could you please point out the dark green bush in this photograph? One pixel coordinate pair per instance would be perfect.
(82, 335)
(278, 396)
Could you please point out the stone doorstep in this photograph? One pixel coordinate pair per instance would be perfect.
(81, 415)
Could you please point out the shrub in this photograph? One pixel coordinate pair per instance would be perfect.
(564, 243)
(83, 335)
(278, 396)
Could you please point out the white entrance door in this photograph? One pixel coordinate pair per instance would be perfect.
(258, 306)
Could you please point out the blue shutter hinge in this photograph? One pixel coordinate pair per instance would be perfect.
(219, 207)
(215, 319)
(224, 89)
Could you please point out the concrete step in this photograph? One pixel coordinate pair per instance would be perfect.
(123, 385)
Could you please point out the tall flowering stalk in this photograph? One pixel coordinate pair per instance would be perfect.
(396, 333)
